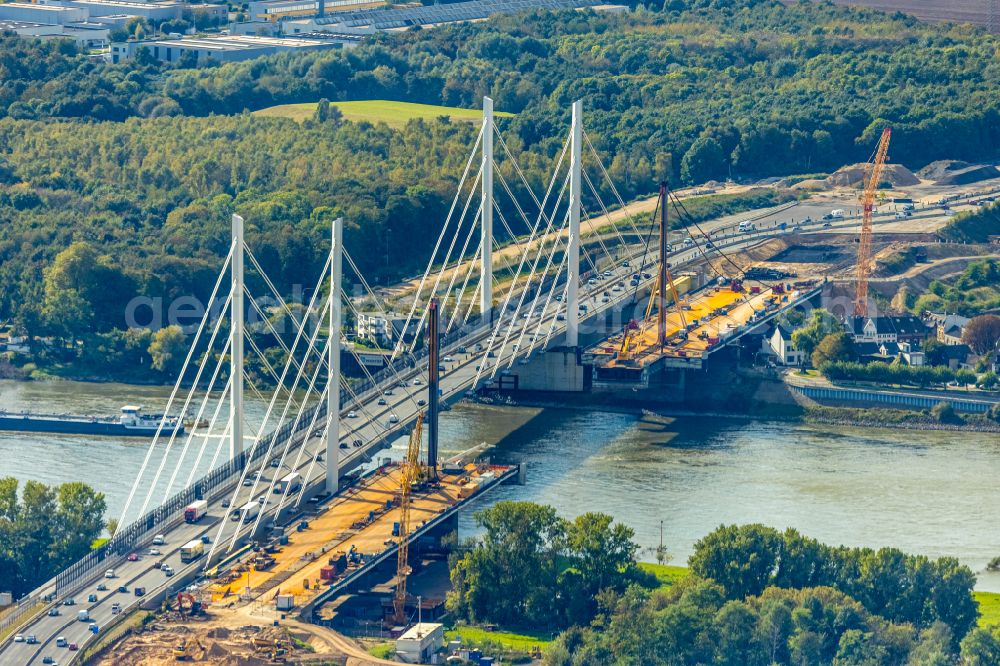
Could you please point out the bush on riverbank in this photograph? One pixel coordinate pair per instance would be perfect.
(895, 373)
(877, 417)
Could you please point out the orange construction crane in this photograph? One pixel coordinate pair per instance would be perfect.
(411, 472)
(868, 207)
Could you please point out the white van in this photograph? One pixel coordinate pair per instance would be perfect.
(746, 225)
(159, 540)
(837, 213)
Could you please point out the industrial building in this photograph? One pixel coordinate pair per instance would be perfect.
(84, 33)
(372, 21)
(420, 642)
(151, 11)
(222, 48)
(278, 10)
(42, 14)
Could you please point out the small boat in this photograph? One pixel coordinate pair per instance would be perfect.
(130, 423)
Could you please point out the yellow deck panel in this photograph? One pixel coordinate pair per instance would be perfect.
(308, 551)
(645, 348)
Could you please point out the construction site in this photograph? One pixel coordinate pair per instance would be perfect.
(371, 560)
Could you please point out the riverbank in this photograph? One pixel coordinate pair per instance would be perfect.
(846, 416)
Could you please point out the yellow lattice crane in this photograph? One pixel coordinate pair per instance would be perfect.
(410, 474)
(868, 208)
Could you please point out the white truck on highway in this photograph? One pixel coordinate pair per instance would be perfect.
(292, 481)
(194, 511)
(192, 550)
(249, 512)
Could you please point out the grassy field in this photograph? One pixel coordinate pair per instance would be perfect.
(394, 114)
(989, 608)
(508, 639)
(667, 574)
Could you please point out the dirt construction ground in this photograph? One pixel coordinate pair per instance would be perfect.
(223, 641)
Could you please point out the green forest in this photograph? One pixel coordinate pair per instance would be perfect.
(754, 596)
(144, 162)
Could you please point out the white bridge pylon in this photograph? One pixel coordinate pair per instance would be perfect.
(511, 306)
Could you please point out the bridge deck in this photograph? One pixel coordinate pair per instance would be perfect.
(361, 519)
(721, 313)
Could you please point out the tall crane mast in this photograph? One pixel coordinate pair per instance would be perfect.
(657, 296)
(410, 473)
(868, 207)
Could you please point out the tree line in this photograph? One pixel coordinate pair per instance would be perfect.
(130, 159)
(44, 529)
(754, 596)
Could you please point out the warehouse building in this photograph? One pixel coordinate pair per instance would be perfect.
(84, 33)
(223, 48)
(372, 21)
(279, 10)
(151, 11)
(42, 14)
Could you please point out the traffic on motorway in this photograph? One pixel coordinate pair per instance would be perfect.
(382, 414)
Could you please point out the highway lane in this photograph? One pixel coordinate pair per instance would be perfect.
(458, 377)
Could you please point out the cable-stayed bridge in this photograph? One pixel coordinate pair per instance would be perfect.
(551, 286)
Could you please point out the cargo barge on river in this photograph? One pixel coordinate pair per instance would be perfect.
(130, 423)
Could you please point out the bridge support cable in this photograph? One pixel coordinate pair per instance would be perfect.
(445, 263)
(280, 299)
(605, 213)
(174, 391)
(270, 409)
(437, 244)
(461, 297)
(300, 329)
(527, 285)
(538, 293)
(324, 440)
(486, 222)
(611, 184)
(541, 317)
(187, 401)
(505, 310)
(198, 416)
(540, 248)
(292, 437)
(458, 265)
(211, 428)
(534, 228)
(573, 263)
(392, 369)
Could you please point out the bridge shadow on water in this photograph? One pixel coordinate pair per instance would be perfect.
(564, 440)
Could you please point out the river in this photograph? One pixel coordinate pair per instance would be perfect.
(923, 492)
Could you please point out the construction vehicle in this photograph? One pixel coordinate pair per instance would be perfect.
(187, 602)
(411, 474)
(867, 208)
(184, 651)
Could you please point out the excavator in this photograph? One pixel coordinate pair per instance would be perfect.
(412, 474)
(184, 650)
(187, 602)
